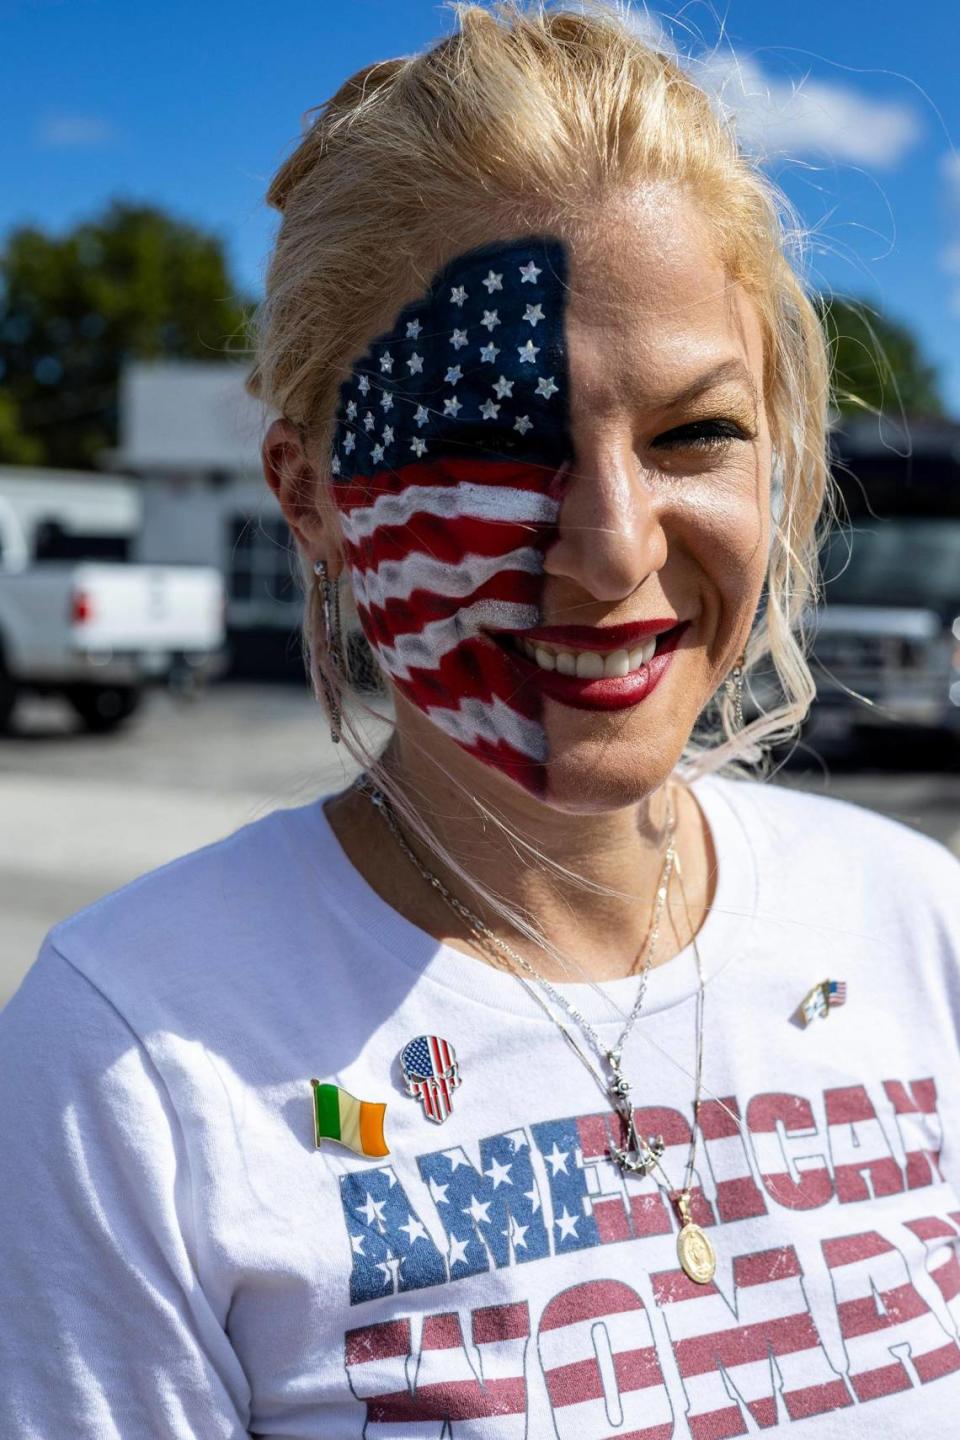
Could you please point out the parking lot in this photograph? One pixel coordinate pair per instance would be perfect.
(84, 814)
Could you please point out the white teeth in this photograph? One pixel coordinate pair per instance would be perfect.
(589, 664)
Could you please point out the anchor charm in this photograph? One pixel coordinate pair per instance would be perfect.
(637, 1156)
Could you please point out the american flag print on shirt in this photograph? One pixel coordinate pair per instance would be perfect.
(449, 447)
(431, 1073)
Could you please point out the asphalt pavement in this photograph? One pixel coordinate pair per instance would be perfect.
(81, 815)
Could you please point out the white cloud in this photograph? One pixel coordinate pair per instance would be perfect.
(61, 132)
(816, 118)
(775, 117)
(950, 256)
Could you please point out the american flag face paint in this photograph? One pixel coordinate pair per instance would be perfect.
(450, 438)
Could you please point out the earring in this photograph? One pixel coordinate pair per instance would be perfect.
(734, 688)
(330, 598)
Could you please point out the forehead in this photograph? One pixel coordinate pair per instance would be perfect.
(651, 307)
(515, 340)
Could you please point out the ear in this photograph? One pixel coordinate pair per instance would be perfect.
(301, 490)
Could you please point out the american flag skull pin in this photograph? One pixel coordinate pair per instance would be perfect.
(431, 1074)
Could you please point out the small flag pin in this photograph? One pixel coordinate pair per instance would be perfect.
(340, 1116)
(431, 1074)
(823, 998)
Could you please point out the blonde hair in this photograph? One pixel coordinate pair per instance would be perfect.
(528, 112)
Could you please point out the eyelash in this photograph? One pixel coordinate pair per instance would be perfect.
(722, 432)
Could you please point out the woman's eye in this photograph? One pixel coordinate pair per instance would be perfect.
(702, 435)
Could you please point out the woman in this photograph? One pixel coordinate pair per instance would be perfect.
(510, 1092)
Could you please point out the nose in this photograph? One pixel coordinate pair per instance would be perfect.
(610, 535)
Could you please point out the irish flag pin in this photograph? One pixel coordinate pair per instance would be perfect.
(340, 1116)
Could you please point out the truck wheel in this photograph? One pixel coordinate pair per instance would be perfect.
(104, 707)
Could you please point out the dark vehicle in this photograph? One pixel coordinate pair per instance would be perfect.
(887, 642)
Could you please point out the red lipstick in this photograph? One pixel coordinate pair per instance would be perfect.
(597, 637)
(605, 692)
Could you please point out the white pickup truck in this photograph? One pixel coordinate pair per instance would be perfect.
(76, 618)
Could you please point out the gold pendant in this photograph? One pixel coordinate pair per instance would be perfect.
(694, 1248)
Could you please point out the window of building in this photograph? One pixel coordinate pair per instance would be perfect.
(260, 568)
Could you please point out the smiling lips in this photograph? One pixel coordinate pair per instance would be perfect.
(602, 668)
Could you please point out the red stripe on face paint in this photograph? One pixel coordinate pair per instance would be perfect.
(447, 472)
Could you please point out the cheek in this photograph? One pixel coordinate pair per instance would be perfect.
(725, 525)
(437, 563)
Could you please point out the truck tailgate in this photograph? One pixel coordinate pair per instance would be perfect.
(147, 607)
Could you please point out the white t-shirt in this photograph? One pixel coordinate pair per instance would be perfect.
(178, 1258)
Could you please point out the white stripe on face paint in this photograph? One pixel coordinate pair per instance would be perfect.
(424, 649)
(397, 579)
(492, 721)
(451, 502)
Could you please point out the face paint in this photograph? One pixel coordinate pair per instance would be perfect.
(450, 440)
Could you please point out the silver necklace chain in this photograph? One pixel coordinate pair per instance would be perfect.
(638, 1155)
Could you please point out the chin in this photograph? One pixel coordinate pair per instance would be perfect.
(592, 779)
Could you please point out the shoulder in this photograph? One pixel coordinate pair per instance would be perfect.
(190, 926)
(830, 845)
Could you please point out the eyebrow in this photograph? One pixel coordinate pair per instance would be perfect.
(732, 369)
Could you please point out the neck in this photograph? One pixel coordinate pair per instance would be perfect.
(586, 883)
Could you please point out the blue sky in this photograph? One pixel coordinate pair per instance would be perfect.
(856, 106)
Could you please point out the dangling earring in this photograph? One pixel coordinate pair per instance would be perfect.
(734, 688)
(330, 597)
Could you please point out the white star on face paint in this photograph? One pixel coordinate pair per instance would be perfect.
(351, 409)
(418, 446)
(415, 363)
(363, 385)
(529, 273)
(457, 295)
(349, 441)
(454, 373)
(523, 423)
(386, 400)
(546, 386)
(528, 353)
(388, 434)
(376, 454)
(422, 415)
(493, 282)
(503, 388)
(413, 329)
(533, 314)
(489, 411)
(489, 353)
(491, 319)
(386, 360)
(458, 339)
(452, 406)
(335, 465)
(368, 420)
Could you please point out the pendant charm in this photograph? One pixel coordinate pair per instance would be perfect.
(694, 1249)
(636, 1156)
(431, 1074)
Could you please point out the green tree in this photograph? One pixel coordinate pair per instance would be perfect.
(878, 363)
(132, 284)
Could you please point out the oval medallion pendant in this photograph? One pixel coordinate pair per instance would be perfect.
(696, 1254)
